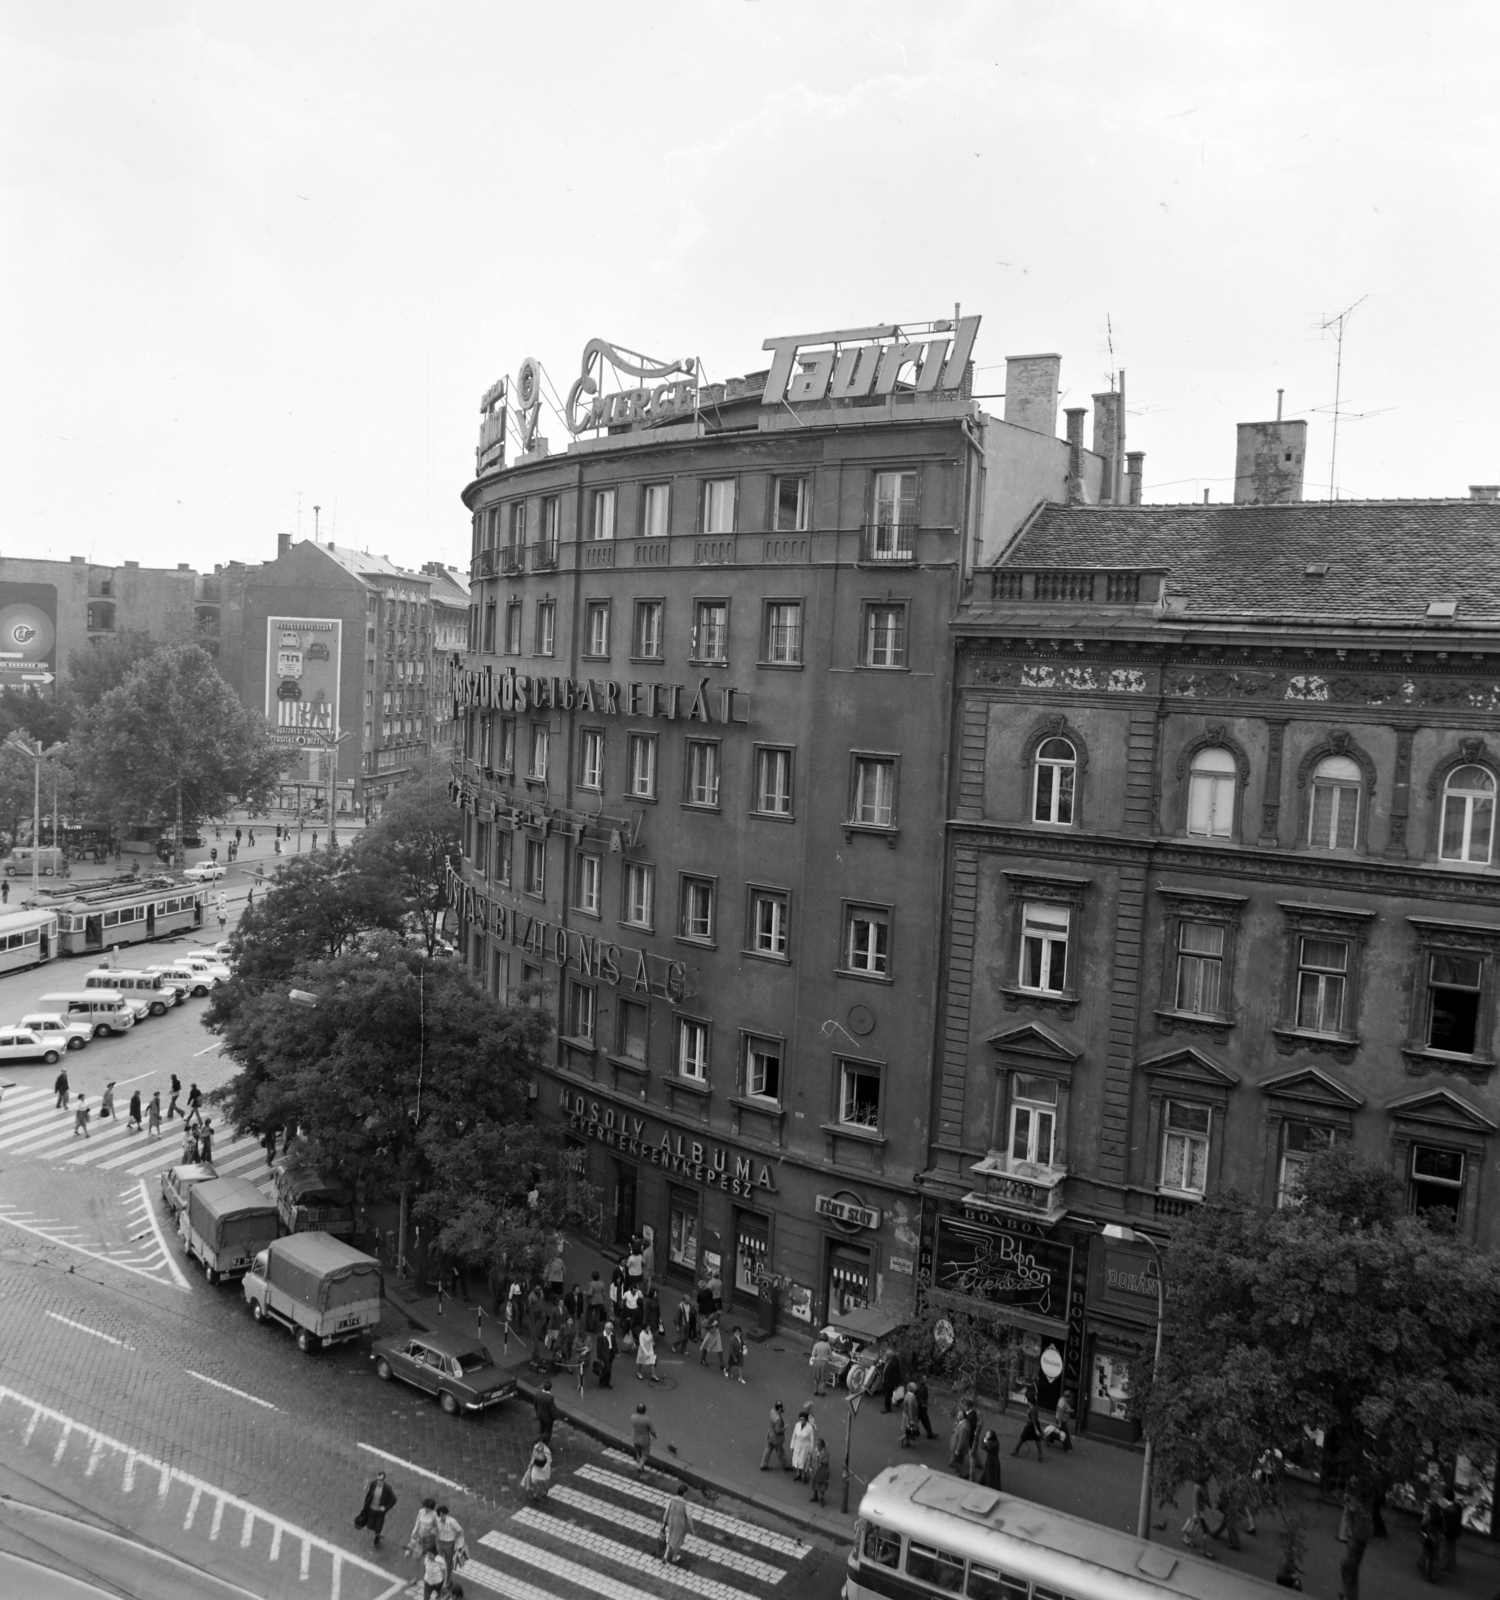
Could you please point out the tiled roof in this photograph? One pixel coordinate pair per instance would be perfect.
(1386, 559)
(363, 565)
(448, 587)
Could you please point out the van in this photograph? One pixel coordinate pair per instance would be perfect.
(107, 1009)
(18, 862)
(318, 1286)
(159, 996)
(308, 1202)
(226, 1223)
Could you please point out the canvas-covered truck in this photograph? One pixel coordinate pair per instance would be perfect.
(310, 1203)
(324, 1290)
(225, 1222)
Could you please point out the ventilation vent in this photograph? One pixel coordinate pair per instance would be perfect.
(1442, 610)
(1316, 569)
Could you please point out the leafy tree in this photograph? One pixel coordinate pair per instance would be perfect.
(17, 791)
(1339, 1313)
(34, 716)
(173, 743)
(411, 845)
(958, 1346)
(104, 665)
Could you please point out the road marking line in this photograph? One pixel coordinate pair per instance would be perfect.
(95, 1456)
(276, 1543)
(109, 1338)
(706, 1516)
(136, 1079)
(36, 1417)
(600, 1583)
(218, 1521)
(204, 1052)
(192, 1510)
(502, 1583)
(622, 1555)
(247, 1530)
(127, 1483)
(228, 1388)
(411, 1466)
(166, 1259)
(62, 1443)
(338, 1578)
(306, 1560)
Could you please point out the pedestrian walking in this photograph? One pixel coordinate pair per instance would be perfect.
(5, 893)
(1195, 1529)
(379, 1499)
(804, 1437)
(821, 1472)
(434, 1572)
(557, 1276)
(252, 838)
(237, 836)
(315, 839)
(645, 1355)
(81, 1118)
(450, 1540)
(919, 1384)
(153, 1116)
(820, 1360)
(250, 898)
(716, 1291)
(195, 1106)
(60, 1089)
(641, 1433)
(989, 1472)
(961, 1440)
(278, 845)
(1453, 1526)
(537, 1478)
(1430, 1533)
(633, 1307)
(424, 1528)
(648, 1262)
(775, 1440)
(713, 1343)
(1032, 1428)
(890, 1376)
(594, 1302)
(107, 1101)
(653, 1311)
(134, 1123)
(268, 1139)
(605, 1350)
(911, 1426)
(734, 1356)
(546, 1412)
(206, 1142)
(172, 1107)
(676, 1525)
(634, 1266)
(1060, 1429)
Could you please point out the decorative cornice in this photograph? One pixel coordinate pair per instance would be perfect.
(1312, 1086)
(1291, 1041)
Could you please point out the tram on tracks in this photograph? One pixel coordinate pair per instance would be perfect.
(28, 937)
(90, 921)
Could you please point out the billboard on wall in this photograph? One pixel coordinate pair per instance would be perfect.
(28, 634)
(302, 679)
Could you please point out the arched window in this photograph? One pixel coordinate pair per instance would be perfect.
(1468, 815)
(1333, 818)
(1211, 784)
(1056, 780)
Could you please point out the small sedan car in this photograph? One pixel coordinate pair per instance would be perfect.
(21, 1044)
(204, 872)
(460, 1372)
(177, 1183)
(72, 1031)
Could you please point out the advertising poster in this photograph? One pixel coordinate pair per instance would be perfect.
(302, 679)
(28, 635)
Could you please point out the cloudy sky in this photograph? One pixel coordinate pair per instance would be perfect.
(259, 256)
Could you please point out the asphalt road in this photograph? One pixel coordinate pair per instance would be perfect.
(157, 1442)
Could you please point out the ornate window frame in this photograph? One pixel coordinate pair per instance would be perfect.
(1471, 752)
(1031, 1051)
(1198, 905)
(1441, 1117)
(1340, 742)
(1304, 920)
(1055, 726)
(1188, 1075)
(1055, 888)
(1215, 737)
(1306, 1094)
(1482, 940)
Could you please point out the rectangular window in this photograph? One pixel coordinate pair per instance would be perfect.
(641, 750)
(482, 848)
(940, 1568)
(1299, 1142)
(513, 629)
(770, 915)
(1322, 979)
(692, 1049)
(536, 766)
(602, 524)
(489, 628)
(1437, 1181)
(718, 505)
(696, 919)
(885, 636)
(596, 628)
(588, 881)
(711, 631)
(536, 867)
(486, 740)
(1044, 947)
(551, 522)
(518, 525)
(895, 499)
(631, 1019)
(859, 1095)
(1200, 968)
(591, 774)
(773, 782)
(762, 1068)
(1333, 816)
(1184, 1153)
(1453, 990)
(702, 772)
(546, 627)
(682, 1230)
(1033, 1119)
(581, 1011)
(505, 750)
(791, 514)
(646, 635)
(782, 646)
(639, 903)
(502, 855)
(867, 940)
(874, 792)
(655, 503)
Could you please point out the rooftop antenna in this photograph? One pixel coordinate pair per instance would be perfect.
(1338, 324)
(316, 510)
(1279, 394)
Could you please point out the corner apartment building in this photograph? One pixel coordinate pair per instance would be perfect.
(705, 739)
(1223, 887)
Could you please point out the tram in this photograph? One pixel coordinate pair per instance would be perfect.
(97, 919)
(27, 938)
(924, 1534)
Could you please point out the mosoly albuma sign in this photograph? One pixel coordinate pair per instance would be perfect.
(850, 363)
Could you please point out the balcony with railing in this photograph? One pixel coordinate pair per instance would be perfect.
(544, 556)
(1022, 1188)
(1102, 586)
(888, 544)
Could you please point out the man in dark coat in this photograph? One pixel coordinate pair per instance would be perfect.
(546, 1412)
(890, 1376)
(379, 1499)
(60, 1089)
(604, 1354)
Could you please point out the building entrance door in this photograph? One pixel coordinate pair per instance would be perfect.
(624, 1203)
(848, 1279)
(752, 1254)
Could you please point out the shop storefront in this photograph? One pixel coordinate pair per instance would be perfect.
(1122, 1305)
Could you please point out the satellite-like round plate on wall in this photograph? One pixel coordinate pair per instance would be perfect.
(861, 1020)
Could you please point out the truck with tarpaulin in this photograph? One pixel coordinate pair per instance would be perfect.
(324, 1290)
(225, 1222)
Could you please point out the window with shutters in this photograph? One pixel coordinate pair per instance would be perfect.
(696, 910)
(792, 510)
(646, 634)
(711, 632)
(782, 643)
(702, 773)
(655, 505)
(718, 505)
(873, 792)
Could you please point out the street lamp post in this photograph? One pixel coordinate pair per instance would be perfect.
(1125, 1235)
(37, 755)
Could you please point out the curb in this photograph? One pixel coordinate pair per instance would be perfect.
(689, 1475)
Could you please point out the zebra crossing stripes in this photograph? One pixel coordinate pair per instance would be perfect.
(631, 1557)
(721, 1521)
(601, 1583)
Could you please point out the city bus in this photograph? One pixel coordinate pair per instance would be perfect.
(27, 938)
(924, 1534)
(98, 919)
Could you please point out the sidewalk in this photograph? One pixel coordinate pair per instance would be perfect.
(711, 1433)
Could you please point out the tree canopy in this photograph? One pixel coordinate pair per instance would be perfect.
(103, 665)
(1338, 1313)
(411, 845)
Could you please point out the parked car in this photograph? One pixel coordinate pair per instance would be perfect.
(177, 1183)
(71, 1032)
(321, 1288)
(185, 978)
(461, 1372)
(216, 970)
(21, 1044)
(204, 872)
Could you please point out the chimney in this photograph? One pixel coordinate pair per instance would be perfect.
(1109, 439)
(1031, 392)
(1484, 491)
(283, 545)
(1268, 459)
(1135, 472)
(1075, 416)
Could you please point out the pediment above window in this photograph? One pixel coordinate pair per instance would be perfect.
(1440, 1108)
(1032, 1046)
(1180, 1068)
(1310, 1087)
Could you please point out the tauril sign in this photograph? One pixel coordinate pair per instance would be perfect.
(713, 1165)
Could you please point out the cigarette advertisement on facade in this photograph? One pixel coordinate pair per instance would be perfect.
(302, 679)
(28, 635)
